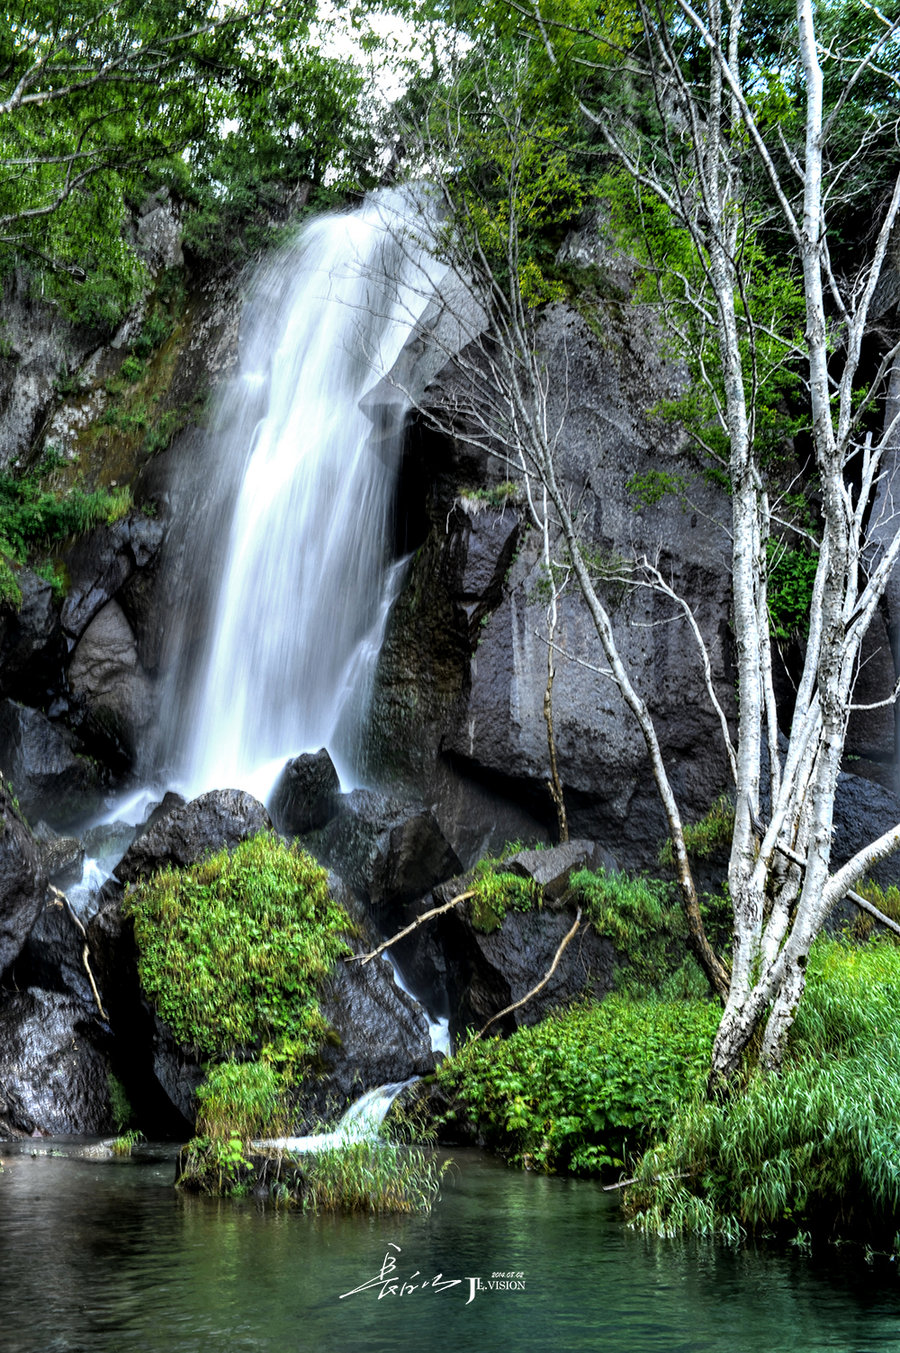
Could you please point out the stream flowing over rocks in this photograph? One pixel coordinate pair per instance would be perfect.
(436, 718)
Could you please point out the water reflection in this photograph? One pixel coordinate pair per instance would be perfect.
(105, 1256)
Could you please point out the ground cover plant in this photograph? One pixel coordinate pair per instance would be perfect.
(34, 517)
(587, 1087)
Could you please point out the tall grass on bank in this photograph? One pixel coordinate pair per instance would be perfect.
(816, 1147)
(372, 1175)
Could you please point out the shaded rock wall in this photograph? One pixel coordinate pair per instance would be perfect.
(459, 693)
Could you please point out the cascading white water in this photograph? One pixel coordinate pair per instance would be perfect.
(361, 1122)
(292, 631)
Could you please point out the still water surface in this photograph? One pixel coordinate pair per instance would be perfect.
(106, 1257)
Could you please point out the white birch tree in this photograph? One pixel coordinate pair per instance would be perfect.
(703, 155)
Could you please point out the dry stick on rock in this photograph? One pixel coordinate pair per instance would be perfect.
(62, 900)
(407, 930)
(542, 983)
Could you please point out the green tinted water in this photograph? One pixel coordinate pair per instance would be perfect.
(106, 1257)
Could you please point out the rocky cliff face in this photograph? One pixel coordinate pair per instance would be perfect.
(460, 690)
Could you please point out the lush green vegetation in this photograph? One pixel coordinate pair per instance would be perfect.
(588, 1087)
(814, 1149)
(496, 890)
(34, 517)
(233, 950)
(646, 926)
(704, 838)
(101, 105)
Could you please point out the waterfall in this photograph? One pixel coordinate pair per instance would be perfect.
(274, 659)
(361, 1122)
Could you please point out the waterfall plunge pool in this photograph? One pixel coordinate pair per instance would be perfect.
(105, 1256)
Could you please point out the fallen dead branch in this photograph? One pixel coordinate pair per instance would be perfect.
(414, 925)
(542, 983)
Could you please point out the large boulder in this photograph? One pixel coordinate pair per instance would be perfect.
(306, 795)
(215, 821)
(379, 1035)
(53, 1077)
(487, 973)
(42, 760)
(32, 648)
(101, 562)
(22, 881)
(53, 957)
(388, 850)
(109, 684)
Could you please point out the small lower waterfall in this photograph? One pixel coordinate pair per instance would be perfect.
(298, 524)
(361, 1122)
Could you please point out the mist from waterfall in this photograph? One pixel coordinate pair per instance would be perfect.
(289, 544)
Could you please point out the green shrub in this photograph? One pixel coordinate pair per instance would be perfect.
(792, 574)
(232, 950)
(497, 891)
(816, 1147)
(583, 1088)
(132, 369)
(241, 1099)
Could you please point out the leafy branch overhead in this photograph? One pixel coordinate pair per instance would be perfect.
(101, 103)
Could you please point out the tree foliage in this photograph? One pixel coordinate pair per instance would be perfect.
(100, 102)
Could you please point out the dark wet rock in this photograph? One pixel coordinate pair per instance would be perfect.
(177, 1072)
(169, 801)
(863, 811)
(388, 851)
(160, 1077)
(102, 561)
(32, 648)
(109, 685)
(871, 733)
(381, 1036)
(220, 819)
(53, 1077)
(63, 860)
(53, 956)
(43, 762)
(108, 841)
(488, 973)
(305, 797)
(22, 881)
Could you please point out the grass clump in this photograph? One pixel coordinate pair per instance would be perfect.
(236, 1102)
(125, 1144)
(232, 950)
(704, 838)
(583, 1088)
(372, 1175)
(816, 1147)
(495, 891)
